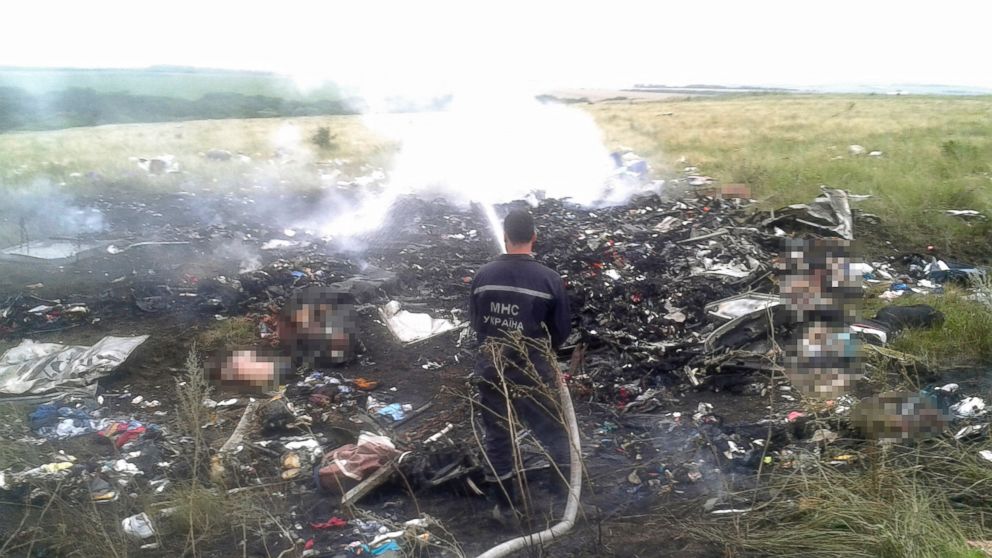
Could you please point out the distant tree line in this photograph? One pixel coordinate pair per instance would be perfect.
(20, 110)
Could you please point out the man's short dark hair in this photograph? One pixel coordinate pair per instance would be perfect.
(518, 226)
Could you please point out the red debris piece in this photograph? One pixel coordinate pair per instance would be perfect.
(122, 432)
(320, 400)
(332, 523)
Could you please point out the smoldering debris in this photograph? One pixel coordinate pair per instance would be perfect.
(247, 256)
(41, 210)
(677, 310)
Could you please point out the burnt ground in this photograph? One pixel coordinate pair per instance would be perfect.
(648, 471)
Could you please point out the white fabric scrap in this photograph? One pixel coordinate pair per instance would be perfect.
(969, 407)
(410, 327)
(736, 308)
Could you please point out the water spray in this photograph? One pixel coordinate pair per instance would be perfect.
(488, 148)
(495, 227)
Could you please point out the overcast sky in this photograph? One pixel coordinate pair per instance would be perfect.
(424, 46)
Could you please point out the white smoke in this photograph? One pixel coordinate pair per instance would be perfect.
(493, 149)
(489, 147)
(42, 210)
(248, 257)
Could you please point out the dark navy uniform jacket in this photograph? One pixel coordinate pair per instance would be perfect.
(516, 293)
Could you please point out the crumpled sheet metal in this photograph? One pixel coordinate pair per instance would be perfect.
(745, 329)
(742, 305)
(34, 368)
(829, 213)
(410, 327)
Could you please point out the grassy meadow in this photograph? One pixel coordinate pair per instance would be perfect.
(936, 153)
(91, 160)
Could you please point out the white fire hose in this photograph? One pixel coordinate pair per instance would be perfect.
(574, 488)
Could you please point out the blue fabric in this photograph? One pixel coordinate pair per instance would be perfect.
(50, 413)
(382, 549)
(393, 411)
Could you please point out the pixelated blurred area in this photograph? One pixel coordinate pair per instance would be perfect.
(820, 288)
(823, 361)
(318, 327)
(248, 370)
(817, 279)
(898, 416)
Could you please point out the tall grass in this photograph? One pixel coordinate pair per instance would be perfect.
(227, 334)
(14, 452)
(892, 508)
(191, 414)
(964, 339)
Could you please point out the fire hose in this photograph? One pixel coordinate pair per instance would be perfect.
(574, 488)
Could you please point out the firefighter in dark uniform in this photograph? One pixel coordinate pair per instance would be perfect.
(515, 293)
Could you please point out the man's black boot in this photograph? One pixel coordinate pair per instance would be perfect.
(507, 510)
(558, 481)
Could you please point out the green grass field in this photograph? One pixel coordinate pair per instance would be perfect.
(59, 156)
(937, 153)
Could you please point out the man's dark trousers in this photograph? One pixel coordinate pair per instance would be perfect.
(534, 401)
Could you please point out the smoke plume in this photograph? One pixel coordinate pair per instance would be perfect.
(42, 210)
(488, 147)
